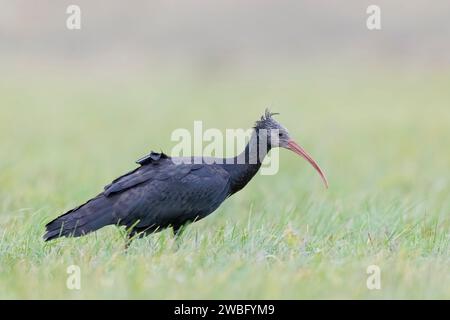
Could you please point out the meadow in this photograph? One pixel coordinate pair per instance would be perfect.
(382, 136)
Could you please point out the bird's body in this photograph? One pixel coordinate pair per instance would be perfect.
(162, 192)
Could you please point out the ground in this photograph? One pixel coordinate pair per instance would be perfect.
(381, 136)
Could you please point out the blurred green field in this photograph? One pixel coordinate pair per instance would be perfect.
(381, 136)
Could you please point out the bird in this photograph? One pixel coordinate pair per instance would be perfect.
(170, 192)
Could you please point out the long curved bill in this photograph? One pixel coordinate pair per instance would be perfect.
(293, 146)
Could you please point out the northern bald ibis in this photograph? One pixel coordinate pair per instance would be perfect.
(163, 193)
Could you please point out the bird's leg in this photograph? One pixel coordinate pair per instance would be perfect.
(178, 231)
(131, 233)
(130, 237)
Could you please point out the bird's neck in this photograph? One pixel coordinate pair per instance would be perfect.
(246, 164)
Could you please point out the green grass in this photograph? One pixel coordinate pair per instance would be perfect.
(382, 138)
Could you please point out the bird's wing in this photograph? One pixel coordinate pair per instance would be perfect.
(155, 166)
(190, 192)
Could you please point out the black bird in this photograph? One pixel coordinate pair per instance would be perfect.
(171, 192)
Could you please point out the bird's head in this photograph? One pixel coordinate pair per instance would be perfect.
(278, 136)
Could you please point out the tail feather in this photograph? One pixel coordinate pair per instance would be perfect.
(88, 217)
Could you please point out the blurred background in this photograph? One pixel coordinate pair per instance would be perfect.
(78, 107)
(213, 36)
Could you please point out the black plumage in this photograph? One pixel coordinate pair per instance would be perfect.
(169, 192)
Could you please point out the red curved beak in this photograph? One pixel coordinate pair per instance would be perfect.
(293, 146)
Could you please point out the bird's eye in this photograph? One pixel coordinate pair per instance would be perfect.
(280, 134)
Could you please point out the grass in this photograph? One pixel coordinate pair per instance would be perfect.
(382, 137)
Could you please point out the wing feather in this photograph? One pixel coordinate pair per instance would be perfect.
(155, 166)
